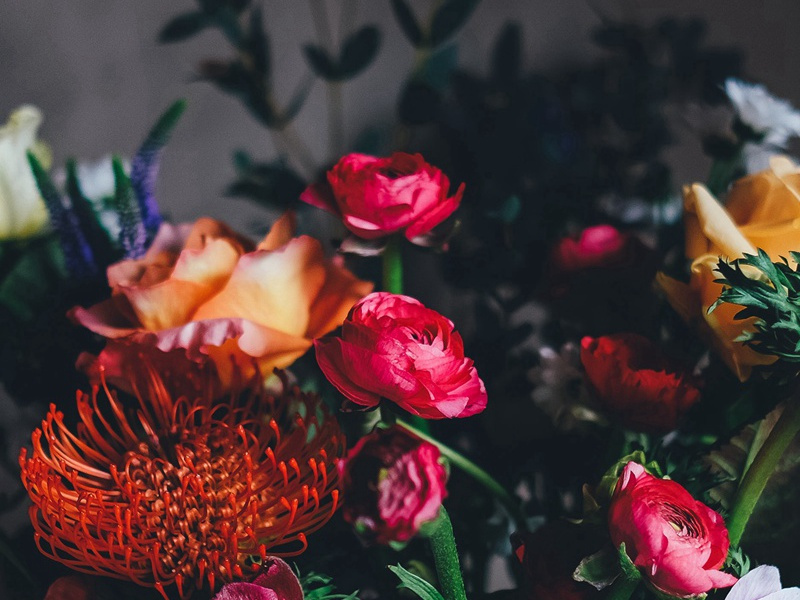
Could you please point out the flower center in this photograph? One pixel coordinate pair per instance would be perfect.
(683, 521)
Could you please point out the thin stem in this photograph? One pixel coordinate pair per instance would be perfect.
(335, 110)
(755, 478)
(393, 267)
(287, 141)
(445, 556)
(335, 120)
(623, 588)
(495, 488)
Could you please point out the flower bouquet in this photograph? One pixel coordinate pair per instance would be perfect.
(491, 355)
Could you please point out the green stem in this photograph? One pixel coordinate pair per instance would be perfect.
(623, 588)
(445, 556)
(755, 478)
(393, 267)
(506, 500)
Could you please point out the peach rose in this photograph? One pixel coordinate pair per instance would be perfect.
(762, 211)
(211, 292)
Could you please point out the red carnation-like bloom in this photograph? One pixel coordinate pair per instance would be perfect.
(393, 483)
(182, 491)
(678, 542)
(376, 197)
(392, 347)
(636, 383)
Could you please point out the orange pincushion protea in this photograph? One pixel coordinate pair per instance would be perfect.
(182, 491)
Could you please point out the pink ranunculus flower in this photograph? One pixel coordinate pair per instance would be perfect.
(393, 484)
(678, 542)
(209, 291)
(376, 197)
(393, 347)
(276, 581)
(598, 246)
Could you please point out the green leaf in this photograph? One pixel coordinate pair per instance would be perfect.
(450, 17)
(408, 22)
(28, 286)
(507, 54)
(258, 45)
(358, 51)
(600, 569)
(97, 236)
(508, 211)
(183, 27)
(319, 61)
(730, 462)
(416, 584)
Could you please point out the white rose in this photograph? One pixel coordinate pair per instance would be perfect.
(22, 210)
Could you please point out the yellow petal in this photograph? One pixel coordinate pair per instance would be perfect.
(709, 228)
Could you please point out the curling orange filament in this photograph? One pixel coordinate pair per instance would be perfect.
(182, 491)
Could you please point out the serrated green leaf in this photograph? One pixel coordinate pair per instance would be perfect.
(408, 22)
(416, 584)
(183, 27)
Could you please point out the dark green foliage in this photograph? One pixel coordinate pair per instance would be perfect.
(770, 293)
(184, 26)
(358, 51)
(273, 185)
(408, 22)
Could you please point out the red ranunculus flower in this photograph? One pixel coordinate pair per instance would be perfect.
(393, 484)
(678, 542)
(598, 246)
(276, 581)
(392, 347)
(375, 197)
(636, 383)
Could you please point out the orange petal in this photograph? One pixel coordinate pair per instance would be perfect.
(197, 276)
(281, 232)
(274, 289)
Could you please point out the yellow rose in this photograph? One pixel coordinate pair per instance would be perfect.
(22, 210)
(763, 211)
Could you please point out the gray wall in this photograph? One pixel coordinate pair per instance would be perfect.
(95, 69)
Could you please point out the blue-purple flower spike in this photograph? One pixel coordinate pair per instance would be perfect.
(144, 168)
(78, 256)
(132, 234)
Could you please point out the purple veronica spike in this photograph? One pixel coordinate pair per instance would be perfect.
(144, 168)
(77, 252)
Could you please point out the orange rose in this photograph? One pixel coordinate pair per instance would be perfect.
(211, 292)
(762, 211)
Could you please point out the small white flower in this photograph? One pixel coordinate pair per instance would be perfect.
(762, 583)
(22, 210)
(559, 389)
(776, 119)
(635, 211)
